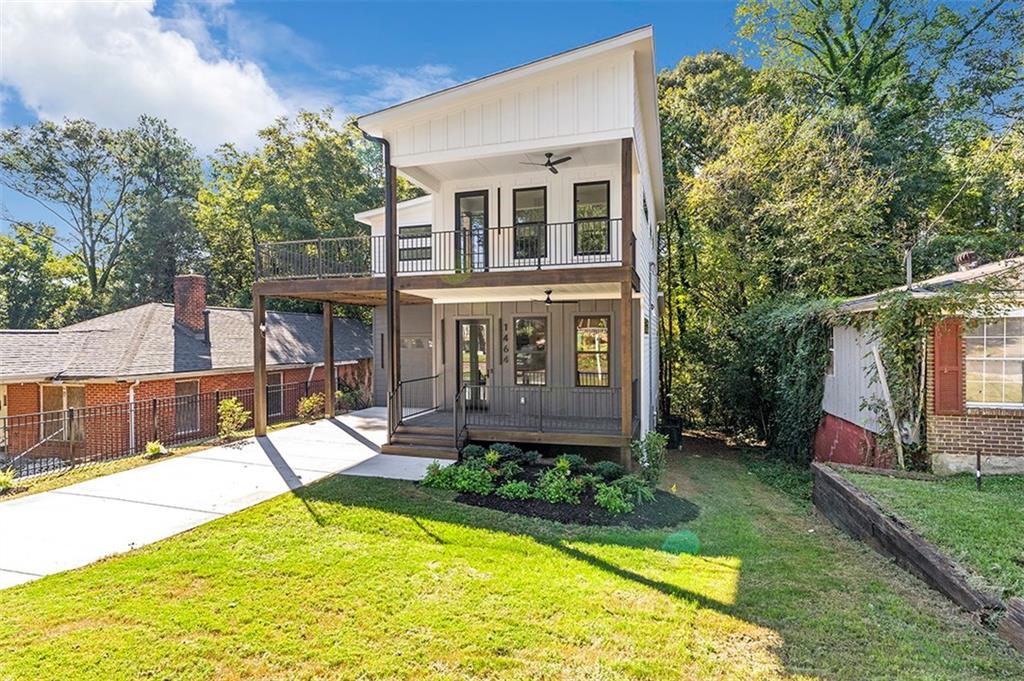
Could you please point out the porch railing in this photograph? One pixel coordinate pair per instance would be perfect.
(534, 246)
(418, 395)
(543, 408)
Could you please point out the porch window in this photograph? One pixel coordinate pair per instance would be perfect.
(592, 353)
(531, 350)
(414, 242)
(56, 400)
(995, 361)
(592, 235)
(186, 407)
(530, 218)
(275, 394)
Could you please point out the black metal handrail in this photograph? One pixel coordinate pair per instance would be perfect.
(420, 393)
(578, 243)
(543, 408)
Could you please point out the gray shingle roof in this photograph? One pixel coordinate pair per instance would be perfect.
(144, 340)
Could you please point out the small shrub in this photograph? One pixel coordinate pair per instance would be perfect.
(155, 448)
(517, 489)
(529, 458)
(576, 462)
(507, 451)
(613, 500)
(562, 465)
(473, 480)
(349, 397)
(556, 487)
(439, 477)
(6, 479)
(311, 407)
(635, 488)
(608, 470)
(491, 458)
(590, 480)
(649, 454)
(231, 416)
(510, 469)
(473, 452)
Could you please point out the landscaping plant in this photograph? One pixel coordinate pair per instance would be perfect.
(310, 407)
(155, 448)
(231, 417)
(516, 489)
(612, 499)
(576, 462)
(608, 470)
(6, 479)
(635, 488)
(649, 454)
(556, 487)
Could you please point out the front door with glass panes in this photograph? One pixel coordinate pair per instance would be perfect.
(471, 231)
(474, 370)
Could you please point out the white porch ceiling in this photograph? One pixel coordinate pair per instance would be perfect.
(605, 153)
(598, 291)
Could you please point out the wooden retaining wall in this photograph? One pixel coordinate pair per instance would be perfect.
(860, 516)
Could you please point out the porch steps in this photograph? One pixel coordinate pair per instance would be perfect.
(428, 451)
(421, 441)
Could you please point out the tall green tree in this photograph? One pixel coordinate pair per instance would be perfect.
(39, 287)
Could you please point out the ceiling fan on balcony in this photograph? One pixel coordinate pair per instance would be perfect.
(547, 300)
(549, 163)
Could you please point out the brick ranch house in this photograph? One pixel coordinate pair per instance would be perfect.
(155, 371)
(974, 382)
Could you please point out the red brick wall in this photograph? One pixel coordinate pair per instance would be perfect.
(840, 441)
(107, 429)
(993, 432)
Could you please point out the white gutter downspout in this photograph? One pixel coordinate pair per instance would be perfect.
(131, 410)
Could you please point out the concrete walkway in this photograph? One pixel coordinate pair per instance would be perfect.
(50, 532)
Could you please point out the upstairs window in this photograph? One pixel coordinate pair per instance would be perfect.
(530, 218)
(592, 351)
(592, 235)
(414, 242)
(995, 361)
(531, 350)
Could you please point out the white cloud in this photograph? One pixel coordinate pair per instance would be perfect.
(111, 62)
(394, 85)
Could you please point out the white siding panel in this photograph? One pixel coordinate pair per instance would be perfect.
(510, 118)
(421, 139)
(586, 104)
(491, 122)
(438, 133)
(528, 114)
(456, 130)
(474, 125)
(566, 105)
(547, 114)
(848, 387)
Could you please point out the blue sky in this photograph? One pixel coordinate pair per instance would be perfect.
(218, 71)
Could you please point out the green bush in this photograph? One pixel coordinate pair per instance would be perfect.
(439, 477)
(529, 458)
(556, 487)
(6, 479)
(155, 448)
(473, 452)
(612, 499)
(517, 489)
(507, 451)
(491, 458)
(473, 480)
(635, 488)
(350, 397)
(562, 465)
(510, 469)
(311, 407)
(649, 454)
(576, 462)
(609, 470)
(231, 416)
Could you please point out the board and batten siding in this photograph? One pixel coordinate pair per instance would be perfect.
(849, 385)
(589, 98)
(416, 324)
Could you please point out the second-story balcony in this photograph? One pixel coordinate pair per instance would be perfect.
(422, 250)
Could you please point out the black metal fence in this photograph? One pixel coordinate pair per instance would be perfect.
(543, 409)
(45, 442)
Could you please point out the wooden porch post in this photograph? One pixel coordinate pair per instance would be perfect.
(259, 364)
(626, 293)
(329, 371)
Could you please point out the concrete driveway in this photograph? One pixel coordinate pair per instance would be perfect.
(72, 526)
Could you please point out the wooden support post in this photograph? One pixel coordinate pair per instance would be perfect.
(328, 361)
(259, 364)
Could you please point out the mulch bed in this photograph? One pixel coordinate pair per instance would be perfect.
(666, 510)
(12, 490)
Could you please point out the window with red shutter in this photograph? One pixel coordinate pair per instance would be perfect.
(949, 379)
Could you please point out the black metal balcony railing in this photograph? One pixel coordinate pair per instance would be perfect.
(542, 408)
(520, 247)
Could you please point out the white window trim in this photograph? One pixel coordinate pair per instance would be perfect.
(63, 401)
(1009, 406)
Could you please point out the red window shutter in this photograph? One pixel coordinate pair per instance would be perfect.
(949, 361)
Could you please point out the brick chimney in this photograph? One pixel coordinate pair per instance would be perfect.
(190, 302)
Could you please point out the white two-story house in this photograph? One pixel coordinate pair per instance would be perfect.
(517, 299)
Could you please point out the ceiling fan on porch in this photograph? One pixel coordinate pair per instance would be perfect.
(547, 300)
(548, 163)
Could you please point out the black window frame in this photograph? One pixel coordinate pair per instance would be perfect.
(576, 350)
(515, 348)
(540, 227)
(403, 252)
(606, 217)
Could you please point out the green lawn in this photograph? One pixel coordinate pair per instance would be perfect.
(367, 578)
(983, 530)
